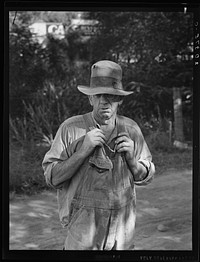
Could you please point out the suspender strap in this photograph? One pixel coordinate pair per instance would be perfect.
(120, 125)
(88, 121)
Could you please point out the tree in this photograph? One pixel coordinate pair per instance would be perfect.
(155, 51)
(26, 68)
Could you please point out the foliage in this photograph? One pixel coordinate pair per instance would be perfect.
(25, 170)
(26, 69)
(19, 130)
(159, 141)
(147, 103)
(42, 117)
(176, 159)
(54, 64)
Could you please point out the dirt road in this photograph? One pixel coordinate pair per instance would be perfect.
(164, 217)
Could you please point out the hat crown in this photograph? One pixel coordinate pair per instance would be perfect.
(106, 78)
(106, 68)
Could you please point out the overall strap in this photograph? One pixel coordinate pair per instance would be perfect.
(120, 124)
(88, 121)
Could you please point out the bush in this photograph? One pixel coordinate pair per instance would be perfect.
(165, 155)
(176, 159)
(159, 141)
(25, 168)
(41, 119)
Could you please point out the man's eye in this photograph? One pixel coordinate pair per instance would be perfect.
(114, 98)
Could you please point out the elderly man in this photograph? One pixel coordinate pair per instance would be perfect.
(95, 161)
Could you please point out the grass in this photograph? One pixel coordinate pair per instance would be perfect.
(25, 169)
(177, 159)
(165, 155)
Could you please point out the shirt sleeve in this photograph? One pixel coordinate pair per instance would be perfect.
(57, 153)
(144, 157)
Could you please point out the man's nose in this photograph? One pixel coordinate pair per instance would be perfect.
(104, 99)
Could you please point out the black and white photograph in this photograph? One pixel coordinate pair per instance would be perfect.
(101, 131)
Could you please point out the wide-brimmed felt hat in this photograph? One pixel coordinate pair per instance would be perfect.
(106, 77)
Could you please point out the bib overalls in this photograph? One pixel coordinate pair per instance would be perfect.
(102, 214)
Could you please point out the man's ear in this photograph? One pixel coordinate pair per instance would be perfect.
(90, 99)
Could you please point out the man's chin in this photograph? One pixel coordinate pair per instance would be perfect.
(105, 115)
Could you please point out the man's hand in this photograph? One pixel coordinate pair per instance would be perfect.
(126, 145)
(92, 139)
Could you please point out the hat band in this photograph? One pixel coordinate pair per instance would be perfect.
(102, 81)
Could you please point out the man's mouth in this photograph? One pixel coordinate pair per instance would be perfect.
(105, 108)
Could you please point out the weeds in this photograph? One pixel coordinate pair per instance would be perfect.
(19, 130)
(178, 159)
(42, 117)
(159, 141)
(25, 169)
(30, 138)
(165, 155)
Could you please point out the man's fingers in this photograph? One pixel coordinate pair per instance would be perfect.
(96, 130)
(100, 135)
(122, 139)
(123, 149)
(123, 134)
(97, 133)
(100, 140)
(121, 145)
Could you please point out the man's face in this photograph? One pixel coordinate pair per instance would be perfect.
(105, 105)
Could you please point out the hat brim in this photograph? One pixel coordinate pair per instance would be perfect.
(103, 90)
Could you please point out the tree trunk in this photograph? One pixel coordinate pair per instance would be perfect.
(178, 116)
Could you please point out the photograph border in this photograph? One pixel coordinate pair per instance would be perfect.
(138, 255)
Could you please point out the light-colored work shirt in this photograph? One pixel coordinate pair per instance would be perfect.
(98, 203)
